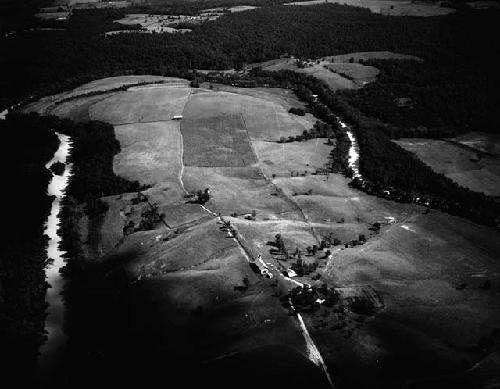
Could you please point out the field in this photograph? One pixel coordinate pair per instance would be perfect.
(154, 23)
(432, 278)
(150, 153)
(217, 141)
(388, 7)
(286, 159)
(338, 72)
(264, 118)
(45, 105)
(158, 103)
(465, 161)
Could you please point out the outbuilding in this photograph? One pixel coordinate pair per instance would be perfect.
(177, 117)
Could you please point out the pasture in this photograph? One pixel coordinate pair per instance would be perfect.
(239, 190)
(87, 94)
(468, 167)
(284, 159)
(430, 278)
(141, 105)
(150, 153)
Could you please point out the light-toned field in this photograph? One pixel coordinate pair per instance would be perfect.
(46, 105)
(150, 153)
(156, 104)
(241, 8)
(239, 190)
(483, 142)
(53, 15)
(283, 159)
(472, 169)
(388, 7)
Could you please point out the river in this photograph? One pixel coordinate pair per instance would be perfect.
(51, 350)
(353, 158)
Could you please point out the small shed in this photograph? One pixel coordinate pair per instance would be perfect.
(177, 117)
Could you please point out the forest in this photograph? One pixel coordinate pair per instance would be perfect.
(46, 62)
(429, 99)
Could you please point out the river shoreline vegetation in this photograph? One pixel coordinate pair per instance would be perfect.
(23, 251)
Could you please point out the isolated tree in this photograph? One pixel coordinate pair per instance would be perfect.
(203, 196)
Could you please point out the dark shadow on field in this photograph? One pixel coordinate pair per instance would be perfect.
(265, 367)
(120, 339)
(412, 360)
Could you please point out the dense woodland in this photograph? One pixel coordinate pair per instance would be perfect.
(22, 253)
(429, 99)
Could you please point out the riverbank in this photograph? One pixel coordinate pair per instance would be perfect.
(51, 351)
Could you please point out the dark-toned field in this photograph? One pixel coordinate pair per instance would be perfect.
(217, 142)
